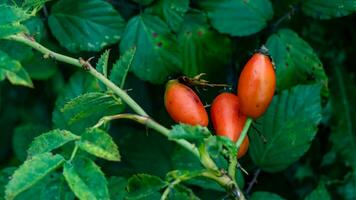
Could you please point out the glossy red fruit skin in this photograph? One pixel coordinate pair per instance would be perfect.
(183, 105)
(228, 120)
(256, 85)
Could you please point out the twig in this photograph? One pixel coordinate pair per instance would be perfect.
(150, 123)
(286, 16)
(83, 64)
(253, 181)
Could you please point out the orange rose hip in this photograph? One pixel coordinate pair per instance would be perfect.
(183, 105)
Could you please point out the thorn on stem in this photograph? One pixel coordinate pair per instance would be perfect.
(85, 63)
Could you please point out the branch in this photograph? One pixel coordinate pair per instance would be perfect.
(226, 182)
(253, 181)
(79, 63)
(150, 123)
(212, 173)
(233, 158)
(142, 116)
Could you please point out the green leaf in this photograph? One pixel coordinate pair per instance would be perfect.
(23, 136)
(219, 149)
(180, 192)
(50, 141)
(121, 67)
(79, 83)
(238, 17)
(319, 193)
(85, 111)
(182, 175)
(152, 156)
(7, 30)
(102, 65)
(295, 61)
(143, 2)
(13, 71)
(12, 14)
(327, 9)
(10, 18)
(87, 25)
(33, 5)
(185, 161)
(203, 49)
(31, 172)
(348, 189)
(194, 134)
(343, 98)
(171, 11)
(265, 195)
(288, 127)
(52, 187)
(40, 68)
(143, 185)
(117, 188)
(5, 175)
(16, 50)
(86, 179)
(157, 54)
(100, 144)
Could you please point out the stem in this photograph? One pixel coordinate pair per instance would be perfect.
(178, 180)
(243, 133)
(253, 181)
(77, 62)
(142, 116)
(206, 159)
(232, 166)
(293, 9)
(169, 188)
(74, 152)
(151, 124)
(226, 182)
(233, 158)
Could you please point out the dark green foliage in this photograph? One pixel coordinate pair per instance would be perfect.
(52, 145)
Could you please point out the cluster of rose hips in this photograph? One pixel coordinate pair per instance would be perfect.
(228, 111)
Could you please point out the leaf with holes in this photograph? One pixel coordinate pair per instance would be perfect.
(87, 25)
(288, 127)
(157, 55)
(99, 143)
(203, 49)
(172, 11)
(295, 61)
(238, 17)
